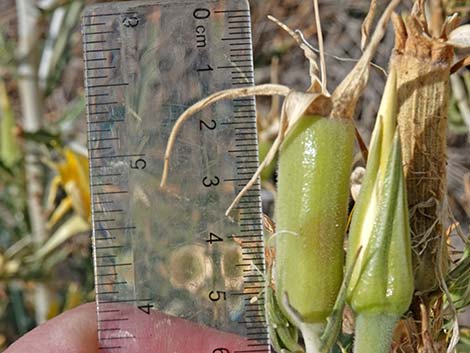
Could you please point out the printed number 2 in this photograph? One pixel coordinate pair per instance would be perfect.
(212, 126)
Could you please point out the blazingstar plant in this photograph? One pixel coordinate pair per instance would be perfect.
(316, 145)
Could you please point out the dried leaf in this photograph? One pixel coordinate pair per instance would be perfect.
(300, 103)
(460, 37)
(295, 106)
(260, 90)
(71, 227)
(320, 47)
(309, 53)
(346, 95)
(367, 24)
(451, 23)
(460, 64)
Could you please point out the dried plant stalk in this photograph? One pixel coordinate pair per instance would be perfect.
(423, 67)
(31, 105)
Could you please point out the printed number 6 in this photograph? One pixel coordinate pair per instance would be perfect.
(208, 183)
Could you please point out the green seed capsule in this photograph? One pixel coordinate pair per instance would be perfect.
(311, 212)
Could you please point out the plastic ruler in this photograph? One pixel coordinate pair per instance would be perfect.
(171, 250)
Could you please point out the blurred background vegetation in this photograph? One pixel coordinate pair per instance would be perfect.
(45, 248)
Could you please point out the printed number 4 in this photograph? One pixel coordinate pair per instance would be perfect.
(146, 308)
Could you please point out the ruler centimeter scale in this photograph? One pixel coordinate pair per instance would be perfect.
(172, 249)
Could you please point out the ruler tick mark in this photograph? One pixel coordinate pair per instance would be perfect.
(94, 42)
(106, 175)
(109, 247)
(105, 256)
(99, 130)
(108, 211)
(119, 228)
(93, 24)
(98, 113)
(101, 50)
(105, 139)
(240, 32)
(109, 311)
(99, 148)
(100, 68)
(119, 156)
(111, 320)
(230, 11)
(117, 338)
(238, 38)
(125, 301)
(106, 121)
(109, 14)
(97, 94)
(111, 192)
(102, 103)
(238, 27)
(97, 59)
(232, 66)
(104, 220)
(115, 265)
(242, 77)
(109, 85)
(111, 283)
(238, 22)
(99, 32)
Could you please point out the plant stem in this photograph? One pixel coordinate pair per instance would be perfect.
(311, 334)
(31, 105)
(374, 332)
(460, 95)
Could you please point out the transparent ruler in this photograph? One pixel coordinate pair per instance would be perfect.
(171, 251)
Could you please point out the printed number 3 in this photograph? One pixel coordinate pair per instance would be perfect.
(208, 183)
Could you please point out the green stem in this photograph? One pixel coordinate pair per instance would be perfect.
(374, 332)
(311, 334)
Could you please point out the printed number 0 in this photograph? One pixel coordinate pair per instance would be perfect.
(208, 183)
